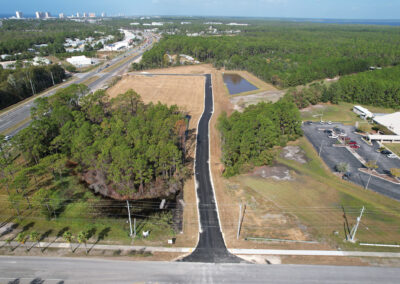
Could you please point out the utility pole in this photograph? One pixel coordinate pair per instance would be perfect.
(129, 217)
(370, 174)
(355, 228)
(134, 227)
(241, 217)
(320, 148)
(52, 78)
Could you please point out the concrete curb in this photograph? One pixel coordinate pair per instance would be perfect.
(315, 253)
(233, 251)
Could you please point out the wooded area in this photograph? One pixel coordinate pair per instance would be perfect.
(21, 83)
(121, 148)
(248, 138)
(287, 54)
(378, 87)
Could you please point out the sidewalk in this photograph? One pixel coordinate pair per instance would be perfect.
(233, 251)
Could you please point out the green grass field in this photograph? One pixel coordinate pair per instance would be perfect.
(83, 210)
(394, 147)
(341, 112)
(312, 204)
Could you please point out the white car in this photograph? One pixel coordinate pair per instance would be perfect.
(333, 136)
(392, 156)
(329, 122)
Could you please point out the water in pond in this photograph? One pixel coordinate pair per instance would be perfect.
(237, 84)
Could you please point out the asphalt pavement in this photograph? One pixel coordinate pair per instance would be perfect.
(84, 270)
(21, 113)
(335, 155)
(211, 246)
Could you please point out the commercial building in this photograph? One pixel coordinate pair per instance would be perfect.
(61, 15)
(80, 61)
(39, 15)
(390, 121)
(92, 15)
(363, 112)
(47, 15)
(19, 15)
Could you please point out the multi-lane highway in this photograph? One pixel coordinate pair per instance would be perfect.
(18, 117)
(81, 270)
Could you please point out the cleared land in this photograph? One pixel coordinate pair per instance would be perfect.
(342, 112)
(306, 206)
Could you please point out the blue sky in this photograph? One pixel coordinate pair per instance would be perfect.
(341, 9)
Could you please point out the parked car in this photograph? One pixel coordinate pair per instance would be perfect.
(330, 122)
(345, 138)
(328, 131)
(7, 137)
(354, 146)
(342, 134)
(386, 152)
(308, 122)
(352, 143)
(346, 176)
(334, 136)
(392, 156)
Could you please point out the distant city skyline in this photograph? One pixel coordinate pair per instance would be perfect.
(335, 9)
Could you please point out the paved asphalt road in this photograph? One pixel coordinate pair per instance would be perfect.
(211, 246)
(335, 155)
(21, 113)
(81, 270)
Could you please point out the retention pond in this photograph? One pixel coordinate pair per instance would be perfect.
(236, 84)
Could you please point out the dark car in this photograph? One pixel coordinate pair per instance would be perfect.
(328, 131)
(386, 152)
(346, 176)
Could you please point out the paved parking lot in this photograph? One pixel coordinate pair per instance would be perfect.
(335, 155)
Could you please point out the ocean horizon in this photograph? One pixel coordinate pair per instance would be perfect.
(375, 22)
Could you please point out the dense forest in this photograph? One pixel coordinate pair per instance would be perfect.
(121, 148)
(378, 87)
(248, 138)
(286, 54)
(21, 83)
(17, 36)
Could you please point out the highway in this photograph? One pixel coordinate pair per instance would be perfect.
(85, 270)
(18, 117)
(211, 246)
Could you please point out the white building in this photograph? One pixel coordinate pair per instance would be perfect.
(390, 121)
(19, 15)
(61, 16)
(80, 61)
(384, 138)
(40, 61)
(39, 15)
(47, 15)
(363, 112)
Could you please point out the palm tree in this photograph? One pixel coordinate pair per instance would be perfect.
(34, 237)
(82, 238)
(21, 238)
(67, 236)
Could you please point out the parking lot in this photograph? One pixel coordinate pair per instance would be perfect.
(332, 156)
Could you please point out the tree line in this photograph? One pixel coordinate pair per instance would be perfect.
(249, 138)
(287, 54)
(378, 87)
(21, 83)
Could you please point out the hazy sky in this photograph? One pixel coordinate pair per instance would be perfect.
(343, 9)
